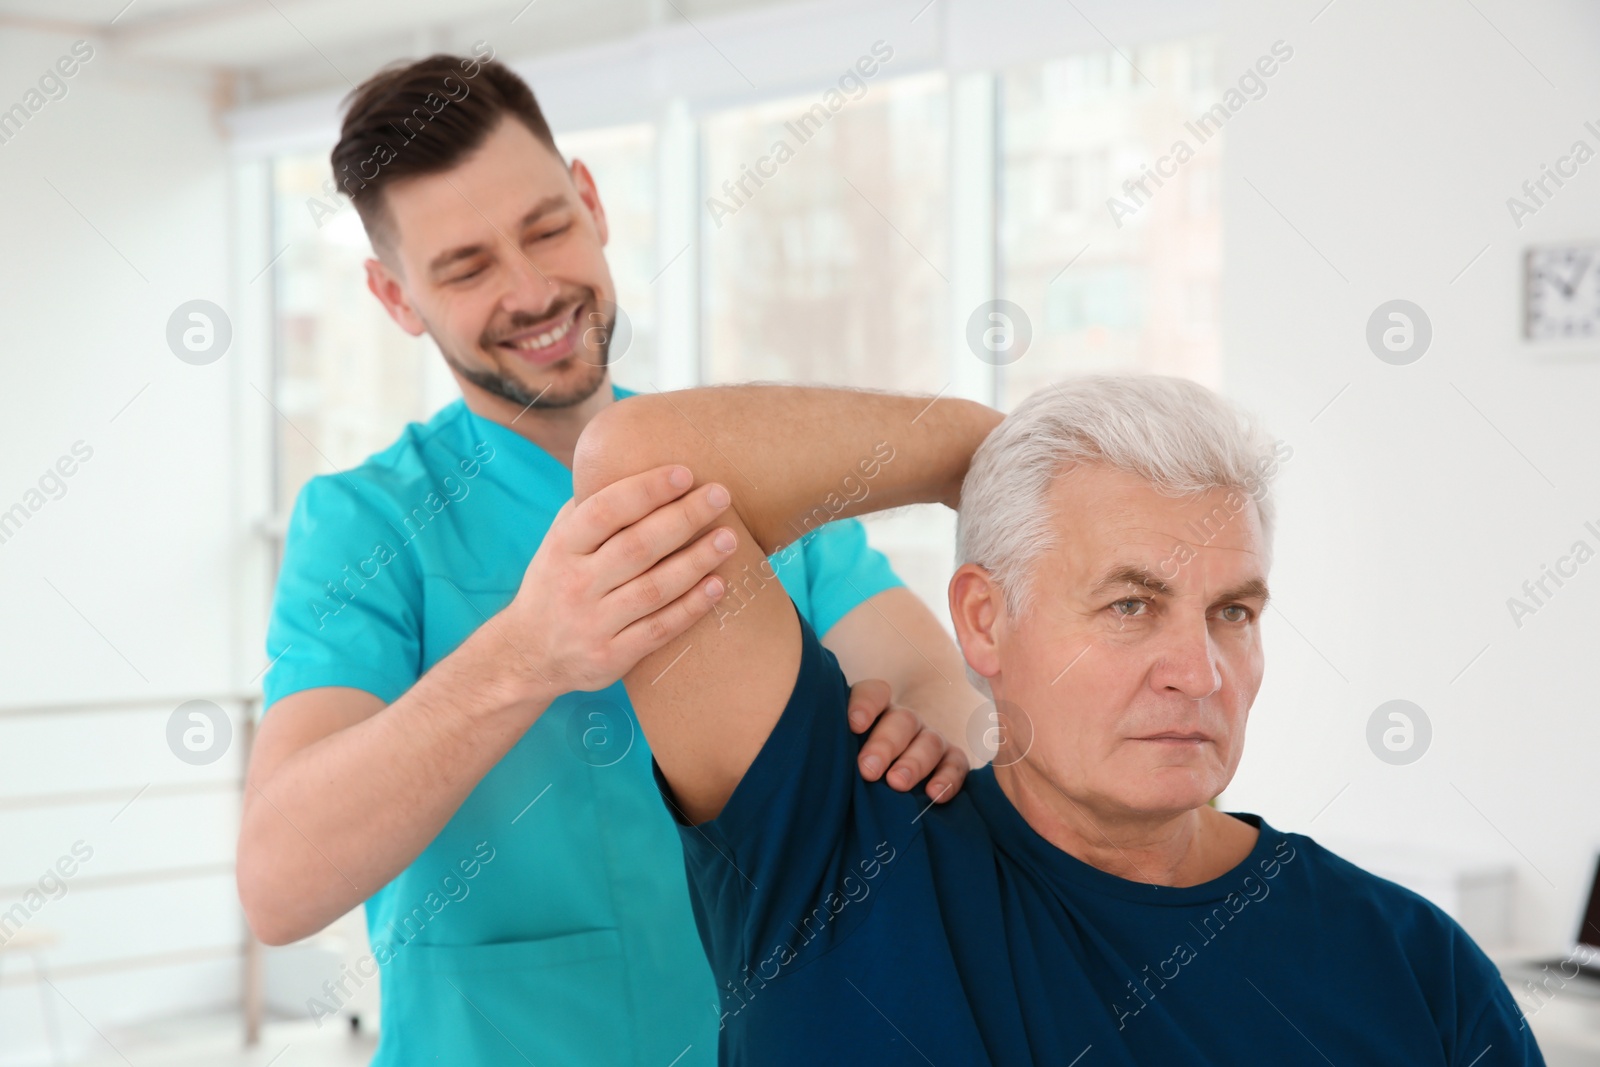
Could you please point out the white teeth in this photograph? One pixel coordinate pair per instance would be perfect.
(546, 339)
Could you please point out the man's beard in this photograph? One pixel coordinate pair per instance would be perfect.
(555, 395)
(552, 396)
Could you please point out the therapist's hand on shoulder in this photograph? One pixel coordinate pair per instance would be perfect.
(902, 749)
(615, 578)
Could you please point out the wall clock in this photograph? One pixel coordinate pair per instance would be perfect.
(1561, 293)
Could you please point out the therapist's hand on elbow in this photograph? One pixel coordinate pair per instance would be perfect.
(615, 578)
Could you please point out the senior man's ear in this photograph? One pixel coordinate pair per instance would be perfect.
(977, 608)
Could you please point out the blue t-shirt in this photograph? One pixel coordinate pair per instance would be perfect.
(549, 920)
(849, 923)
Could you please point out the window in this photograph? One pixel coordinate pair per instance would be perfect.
(622, 160)
(833, 268)
(1130, 288)
(346, 377)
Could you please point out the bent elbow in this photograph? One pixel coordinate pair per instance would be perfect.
(627, 437)
(261, 900)
(264, 922)
(268, 934)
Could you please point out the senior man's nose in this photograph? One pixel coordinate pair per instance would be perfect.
(1188, 661)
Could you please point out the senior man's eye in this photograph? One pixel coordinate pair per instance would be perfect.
(1138, 602)
(1245, 614)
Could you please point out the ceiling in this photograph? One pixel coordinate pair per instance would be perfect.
(285, 47)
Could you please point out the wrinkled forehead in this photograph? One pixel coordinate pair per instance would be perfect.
(1107, 521)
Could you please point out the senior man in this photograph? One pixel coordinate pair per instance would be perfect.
(1079, 902)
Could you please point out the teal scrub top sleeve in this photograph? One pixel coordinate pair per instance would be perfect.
(347, 611)
(843, 572)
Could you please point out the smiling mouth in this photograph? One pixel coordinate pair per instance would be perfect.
(548, 343)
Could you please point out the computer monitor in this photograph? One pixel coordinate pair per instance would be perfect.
(1589, 923)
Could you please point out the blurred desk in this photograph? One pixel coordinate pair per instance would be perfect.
(1565, 1016)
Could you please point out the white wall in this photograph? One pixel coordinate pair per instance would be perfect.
(1414, 505)
(121, 595)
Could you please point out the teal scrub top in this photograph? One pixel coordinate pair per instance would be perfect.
(549, 922)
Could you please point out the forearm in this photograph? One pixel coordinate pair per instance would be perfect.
(948, 707)
(896, 638)
(791, 455)
(338, 819)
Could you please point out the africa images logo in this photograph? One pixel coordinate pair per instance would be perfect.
(1251, 890)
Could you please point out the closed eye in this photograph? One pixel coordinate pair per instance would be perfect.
(551, 233)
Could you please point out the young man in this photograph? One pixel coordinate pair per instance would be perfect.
(1080, 902)
(445, 739)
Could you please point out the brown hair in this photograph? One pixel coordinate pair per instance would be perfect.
(423, 117)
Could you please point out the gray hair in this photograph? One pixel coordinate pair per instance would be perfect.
(1178, 435)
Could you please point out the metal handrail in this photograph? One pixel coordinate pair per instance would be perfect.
(251, 986)
(127, 703)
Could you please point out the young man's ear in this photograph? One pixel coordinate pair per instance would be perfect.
(977, 609)
(392, 295)
(589, 193)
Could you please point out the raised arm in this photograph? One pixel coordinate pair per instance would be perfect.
(791, 458)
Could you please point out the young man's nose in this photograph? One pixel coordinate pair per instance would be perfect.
(528, 289)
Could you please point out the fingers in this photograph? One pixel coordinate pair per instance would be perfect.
(669, 579)
(868, 700)
(647, 635)
(623, 503)
(635, 550)
(918, 760)
(896, 729)
(900, 742)
(950, 775)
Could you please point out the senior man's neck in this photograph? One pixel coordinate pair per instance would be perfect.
(1170, 848)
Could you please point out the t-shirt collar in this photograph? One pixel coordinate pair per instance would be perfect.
(1013, 835)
